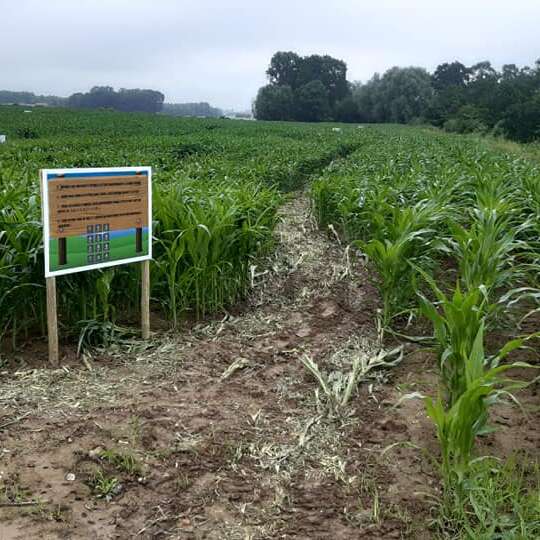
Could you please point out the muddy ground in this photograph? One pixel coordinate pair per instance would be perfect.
(215, 431)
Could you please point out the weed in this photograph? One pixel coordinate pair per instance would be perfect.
(501, 500)
(104, 486)
(123, 462)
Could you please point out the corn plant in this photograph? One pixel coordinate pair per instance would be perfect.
(338, 386)
(487, 251)
(217, 190)
(484, 206)
(206, 244)
(406, 238)
(460, 422)
(456, 322)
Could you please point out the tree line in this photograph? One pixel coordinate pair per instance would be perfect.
(309, 88)
(126, 100)
(191, 109)
(9, 97)
(459, 98)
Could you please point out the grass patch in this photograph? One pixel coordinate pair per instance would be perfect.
(501, 500)
(122, 462)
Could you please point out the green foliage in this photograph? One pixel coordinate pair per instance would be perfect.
(103, 486)
(201, 109)
(274, 103)
(501, 500)
(444, 204)
(457, 322)
(462, 99)
(479, 99)
(303, 88)
(399, 96)
(217, 187)
(468, 119)
(449, 75)
(123, 462)
(311, 102)
(465, 417)
(150, 101)
(346, 110)
(422, 204)
(522, 120)
(284, 69)
(403, 237)
(207, 243)
(487, 251)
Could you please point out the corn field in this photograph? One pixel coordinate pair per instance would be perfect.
(451, 231)
(466, 215)
(449, 227)
(217, 188)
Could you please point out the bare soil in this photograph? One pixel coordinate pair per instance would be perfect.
(224, 434)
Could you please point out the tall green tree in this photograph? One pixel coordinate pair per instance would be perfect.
(284, 69)
(522, 120)
(331, 72)
(274, 103)
(311, 102)
(346, 110)
(450, 75)
(317, 81)
(128, 100)
(456, 97)
(487, 99)
(399, 96)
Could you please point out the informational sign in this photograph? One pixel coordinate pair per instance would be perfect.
(94, 218)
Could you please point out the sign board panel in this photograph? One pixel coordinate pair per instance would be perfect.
(94, 218)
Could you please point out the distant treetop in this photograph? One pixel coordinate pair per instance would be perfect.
(127, 100)
(191, 109)
(304, 88)
(460, 98)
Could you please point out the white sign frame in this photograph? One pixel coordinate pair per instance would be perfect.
(46, 218)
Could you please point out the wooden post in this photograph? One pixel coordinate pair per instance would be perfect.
(145, 299)
(52, 321)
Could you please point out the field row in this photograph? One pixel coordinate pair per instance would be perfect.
(451, 230)
(444, 205)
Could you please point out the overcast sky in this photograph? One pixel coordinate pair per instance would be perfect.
(218, 51)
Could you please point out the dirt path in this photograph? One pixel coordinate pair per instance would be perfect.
(223, 433)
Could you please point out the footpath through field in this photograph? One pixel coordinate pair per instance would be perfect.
(215, 432)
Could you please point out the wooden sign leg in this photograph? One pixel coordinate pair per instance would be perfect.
(145, 299)
(52, 321)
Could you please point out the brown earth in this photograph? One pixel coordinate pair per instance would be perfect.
(224, 434)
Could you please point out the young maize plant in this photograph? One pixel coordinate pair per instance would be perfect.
(487, 252)
(408, 236)
(206, 243)
(456, 323)
(485, 209)
(459, 423)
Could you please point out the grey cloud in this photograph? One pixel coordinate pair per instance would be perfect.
(218, 50)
